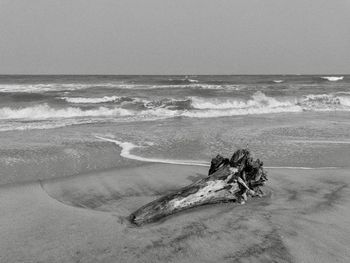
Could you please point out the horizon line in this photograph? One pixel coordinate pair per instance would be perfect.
(187, 74)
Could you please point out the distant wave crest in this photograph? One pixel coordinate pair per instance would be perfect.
(39, 88)
(188, 85)
(333, 78)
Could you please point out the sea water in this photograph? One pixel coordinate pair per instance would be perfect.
(64, 125)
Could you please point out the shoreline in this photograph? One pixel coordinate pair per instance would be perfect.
(311, 140)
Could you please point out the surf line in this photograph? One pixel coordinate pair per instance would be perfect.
(128, 146)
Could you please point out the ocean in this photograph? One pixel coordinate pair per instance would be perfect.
(54, 126)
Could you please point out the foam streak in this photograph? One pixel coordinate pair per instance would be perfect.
(127, 147)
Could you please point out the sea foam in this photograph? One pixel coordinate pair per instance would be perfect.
(44, 111)
(326, 101)
(193, 107)
(127, 147)
(39, 88)
(258, 104)
(258, 99)
(126, 153)
(91, 100)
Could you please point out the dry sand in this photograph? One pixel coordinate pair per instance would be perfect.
(305, 217)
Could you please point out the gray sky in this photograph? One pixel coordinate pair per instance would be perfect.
(174, 36)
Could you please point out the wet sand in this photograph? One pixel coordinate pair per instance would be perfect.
(304, 217)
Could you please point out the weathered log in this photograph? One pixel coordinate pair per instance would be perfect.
(220, 186)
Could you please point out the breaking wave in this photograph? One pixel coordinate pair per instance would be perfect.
(258, 104)
(173, 104)
(278, 81)
(104, 99)
(44, 111)
(326, 101)
(259, 100)
(195, 107)
(262, 104)
(333, 78)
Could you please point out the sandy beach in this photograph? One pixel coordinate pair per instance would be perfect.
(304, 217)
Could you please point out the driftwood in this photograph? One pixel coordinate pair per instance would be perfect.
(225, 183)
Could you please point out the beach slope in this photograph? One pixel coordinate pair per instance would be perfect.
(304, 217)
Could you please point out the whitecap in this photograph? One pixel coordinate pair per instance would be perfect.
(333, 78)
(326, 101)
(258, 104)
(193, 107)
(91, 100)
(44, 111)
